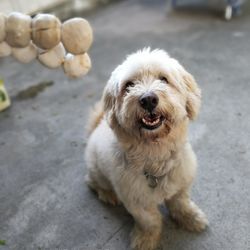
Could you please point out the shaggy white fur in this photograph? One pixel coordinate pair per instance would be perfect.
(138, 151)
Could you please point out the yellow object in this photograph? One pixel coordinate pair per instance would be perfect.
(4, 98)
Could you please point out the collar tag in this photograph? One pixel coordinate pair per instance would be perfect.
(152, 180)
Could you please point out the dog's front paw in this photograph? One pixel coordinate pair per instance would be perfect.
(144, 240)
(191, 218)
(199, 221)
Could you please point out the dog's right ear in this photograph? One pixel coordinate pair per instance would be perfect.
(110, 95)
(111, 90)
(108, 99)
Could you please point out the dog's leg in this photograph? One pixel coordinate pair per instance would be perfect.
(103, 189)
(186, 213)
(147, 230)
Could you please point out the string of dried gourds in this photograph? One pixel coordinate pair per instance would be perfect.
(44, 37)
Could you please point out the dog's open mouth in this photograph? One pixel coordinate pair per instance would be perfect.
(152, 121)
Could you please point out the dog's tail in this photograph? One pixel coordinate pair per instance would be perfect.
(96, 115)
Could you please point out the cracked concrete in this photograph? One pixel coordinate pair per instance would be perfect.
(44, 203)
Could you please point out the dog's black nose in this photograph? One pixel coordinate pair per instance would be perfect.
(149, 101)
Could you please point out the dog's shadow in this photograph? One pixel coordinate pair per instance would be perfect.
(173, 236)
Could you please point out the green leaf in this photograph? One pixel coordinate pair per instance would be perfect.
(2, 96)
(2, 242)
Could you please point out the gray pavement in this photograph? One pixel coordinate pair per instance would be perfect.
(44, 203)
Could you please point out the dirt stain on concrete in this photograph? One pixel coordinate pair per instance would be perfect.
(33, 91)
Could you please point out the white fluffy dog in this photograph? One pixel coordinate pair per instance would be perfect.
(138, 151)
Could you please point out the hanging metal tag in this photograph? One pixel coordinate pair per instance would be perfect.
(152, 180)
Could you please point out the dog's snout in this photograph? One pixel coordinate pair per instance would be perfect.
(149, 101)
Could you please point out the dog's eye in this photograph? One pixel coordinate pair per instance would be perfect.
(128, 85)
(163, 79)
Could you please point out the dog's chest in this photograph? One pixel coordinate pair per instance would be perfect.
(144, 179)
(153, 166)
(149, 180)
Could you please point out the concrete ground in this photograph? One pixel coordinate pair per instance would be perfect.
(44, 203)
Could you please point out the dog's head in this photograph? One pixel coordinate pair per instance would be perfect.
(150, 93)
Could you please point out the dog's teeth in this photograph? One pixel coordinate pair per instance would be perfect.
(150, 123)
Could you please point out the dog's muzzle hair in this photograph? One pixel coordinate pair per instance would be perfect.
(149, 102)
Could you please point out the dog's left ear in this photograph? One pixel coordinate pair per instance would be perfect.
(193, 95)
